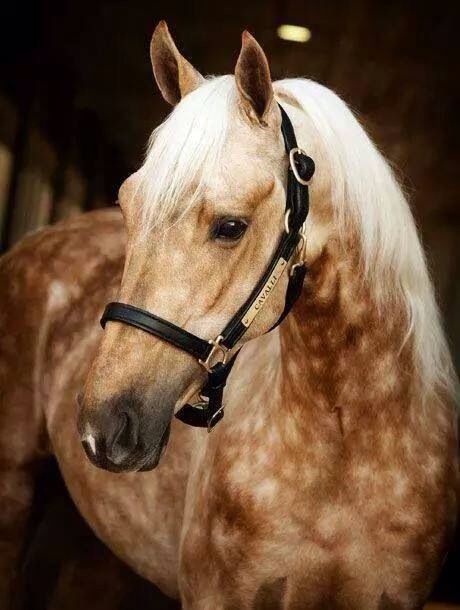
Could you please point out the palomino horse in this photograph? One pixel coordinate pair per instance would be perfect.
(331, 481)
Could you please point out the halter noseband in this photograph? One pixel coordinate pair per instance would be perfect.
(207, 413)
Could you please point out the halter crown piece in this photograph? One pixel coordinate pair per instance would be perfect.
(213, 355)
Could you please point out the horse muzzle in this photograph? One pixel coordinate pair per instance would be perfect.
(120, 436)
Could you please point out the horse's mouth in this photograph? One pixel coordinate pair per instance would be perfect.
(153, 460)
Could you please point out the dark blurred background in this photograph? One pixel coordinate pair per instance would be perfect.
(78, 102)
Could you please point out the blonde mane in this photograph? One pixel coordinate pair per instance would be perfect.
(365, 194)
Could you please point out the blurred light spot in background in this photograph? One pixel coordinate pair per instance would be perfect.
(295, 33)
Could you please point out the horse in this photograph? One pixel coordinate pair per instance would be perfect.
(331, 481)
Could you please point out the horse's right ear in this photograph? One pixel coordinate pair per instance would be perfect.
(175, 76)
(253, 81)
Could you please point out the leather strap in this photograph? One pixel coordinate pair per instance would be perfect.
(297, 200)
(235, 329)
(150, 323)
(293, 292)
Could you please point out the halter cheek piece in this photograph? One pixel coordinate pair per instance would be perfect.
(213, 355)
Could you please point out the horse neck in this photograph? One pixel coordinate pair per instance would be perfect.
(341, 357)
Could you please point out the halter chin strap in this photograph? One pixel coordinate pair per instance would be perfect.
(213, 355)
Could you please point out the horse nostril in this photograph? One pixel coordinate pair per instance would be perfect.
(124, 439)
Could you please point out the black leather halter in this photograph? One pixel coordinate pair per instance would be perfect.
(213, 354)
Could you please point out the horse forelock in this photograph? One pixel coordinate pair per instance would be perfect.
(183, 151)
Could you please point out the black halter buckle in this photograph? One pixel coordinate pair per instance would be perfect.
(210, 410)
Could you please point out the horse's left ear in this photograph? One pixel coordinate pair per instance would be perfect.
(253, 80)
(175, 75)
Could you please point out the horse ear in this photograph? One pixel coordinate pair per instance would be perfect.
(175, 76)
(252, 75)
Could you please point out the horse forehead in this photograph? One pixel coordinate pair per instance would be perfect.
(247, 172)
(234, 188)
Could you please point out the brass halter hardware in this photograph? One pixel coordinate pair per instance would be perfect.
(300, 262)
(216, 348)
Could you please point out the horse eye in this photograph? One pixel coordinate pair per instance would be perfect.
(230, 229)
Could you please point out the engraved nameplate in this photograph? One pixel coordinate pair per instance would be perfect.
(264, 293)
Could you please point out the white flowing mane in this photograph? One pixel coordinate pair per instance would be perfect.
(366, 195)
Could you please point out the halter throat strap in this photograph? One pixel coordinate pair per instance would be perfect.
(213, 355)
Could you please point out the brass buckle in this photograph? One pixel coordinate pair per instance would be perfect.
(293, 152)
(303, 240)
(303, 237)
(216, 348)
(300, 246)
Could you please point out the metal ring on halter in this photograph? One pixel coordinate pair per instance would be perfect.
(303, 237)
(293, 152)
(302, 241)
(286, 221)
(301, 262)
(294, 267)
(214, 416)
(300, 245)
(216, 347)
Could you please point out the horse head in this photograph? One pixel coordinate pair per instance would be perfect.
(204, 215)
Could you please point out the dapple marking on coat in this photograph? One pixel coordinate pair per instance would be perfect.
(332, 480)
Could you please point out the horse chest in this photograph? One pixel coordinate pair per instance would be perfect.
(313, 522)
(260, 543)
